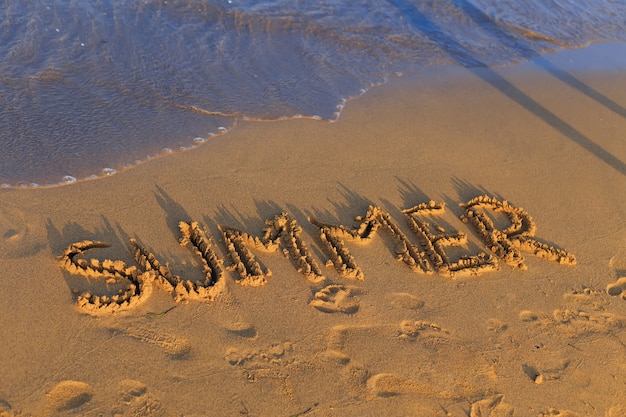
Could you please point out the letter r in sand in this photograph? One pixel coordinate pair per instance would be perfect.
(509, 243)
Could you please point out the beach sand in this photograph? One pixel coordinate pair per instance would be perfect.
(376, 334)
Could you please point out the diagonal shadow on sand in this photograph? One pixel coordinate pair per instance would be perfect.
(461, 55)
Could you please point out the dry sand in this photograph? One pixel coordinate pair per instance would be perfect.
(403, 323)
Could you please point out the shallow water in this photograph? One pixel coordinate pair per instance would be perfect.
(88, 88)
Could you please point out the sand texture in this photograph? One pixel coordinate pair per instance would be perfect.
(454, 245)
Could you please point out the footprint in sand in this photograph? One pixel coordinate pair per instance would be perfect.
(135, 400)
(276, 353)
(67, 395)
(410, 329)
(241, 329)
(405, 300)
(388, 384)
(337, 299)
(617, 288)
(274, 362)
(16, 240)
(177, 347)
(492, 407)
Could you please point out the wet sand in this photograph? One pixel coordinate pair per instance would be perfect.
(311, 275)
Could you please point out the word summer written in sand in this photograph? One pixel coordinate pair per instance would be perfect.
(282, 233)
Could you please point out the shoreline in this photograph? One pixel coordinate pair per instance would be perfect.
(529, 340)
(597, 57)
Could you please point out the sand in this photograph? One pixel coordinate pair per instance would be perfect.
(335, 269)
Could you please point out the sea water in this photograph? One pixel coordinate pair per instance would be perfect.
(91, 87)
